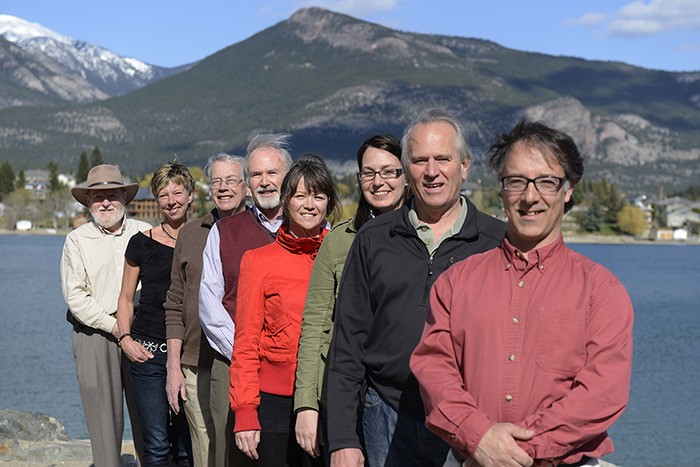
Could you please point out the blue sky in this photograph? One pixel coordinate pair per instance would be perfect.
(658, 34)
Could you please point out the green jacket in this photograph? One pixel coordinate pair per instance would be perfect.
(317, 320)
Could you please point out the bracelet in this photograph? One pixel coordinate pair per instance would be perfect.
(120, 338)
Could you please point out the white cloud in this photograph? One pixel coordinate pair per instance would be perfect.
(634, 27)
(354, 7)
(589, 19)
(646, 18)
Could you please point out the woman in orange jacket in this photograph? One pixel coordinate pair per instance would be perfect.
(271, 293)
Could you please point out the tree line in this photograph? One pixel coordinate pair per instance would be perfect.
(601, 206)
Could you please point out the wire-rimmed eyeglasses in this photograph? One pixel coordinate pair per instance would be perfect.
(232, 182)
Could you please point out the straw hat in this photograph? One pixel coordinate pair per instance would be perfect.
(103, 177)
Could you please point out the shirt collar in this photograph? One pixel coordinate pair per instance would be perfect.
(107, 232)
(272, 226)
(536, 258)
(456, 227)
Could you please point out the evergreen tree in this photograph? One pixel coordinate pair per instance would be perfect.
(614, 204)
(96, 158)
(7, 179)
(593, 218)
(54, 182)
(83, 168)
(21, 180)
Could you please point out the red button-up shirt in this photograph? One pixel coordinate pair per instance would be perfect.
(544, 343)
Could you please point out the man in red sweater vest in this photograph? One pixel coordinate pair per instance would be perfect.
(267, 162)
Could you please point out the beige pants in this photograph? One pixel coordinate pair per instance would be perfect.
(198, 413)
(101, 380)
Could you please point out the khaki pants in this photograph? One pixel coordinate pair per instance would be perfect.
(198, 413)
(101, 380)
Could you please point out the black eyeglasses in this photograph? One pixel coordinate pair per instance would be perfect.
(386, 174)
(233, 182)
(544, 184)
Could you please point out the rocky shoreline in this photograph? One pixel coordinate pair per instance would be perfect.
(30, 439)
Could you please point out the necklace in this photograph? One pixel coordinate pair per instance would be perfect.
(162, 226)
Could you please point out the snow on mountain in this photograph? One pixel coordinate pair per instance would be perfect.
(107, 71)
(16, 30)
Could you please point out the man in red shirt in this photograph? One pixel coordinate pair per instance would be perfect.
(526, 354)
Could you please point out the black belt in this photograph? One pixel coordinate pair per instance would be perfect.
(221, 358)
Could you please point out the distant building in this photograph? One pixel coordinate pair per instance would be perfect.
(680, 234)
(37, 182)
(144, 207)
(671, 235)
(679, 213)
(67, 180)
(23, 225)
(682, 217)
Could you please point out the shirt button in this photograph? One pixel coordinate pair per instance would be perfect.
(511, 357)
(508, 266)
(517, 253)
(516, 320)
(541, 267)
(509, 398)
(521, 284)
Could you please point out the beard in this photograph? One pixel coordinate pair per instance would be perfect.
(268, 202)
(107, 218)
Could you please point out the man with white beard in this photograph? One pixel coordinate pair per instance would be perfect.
(267, 161)
(92, 264)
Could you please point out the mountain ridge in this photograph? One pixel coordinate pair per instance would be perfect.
(84, 64)
(332, 80)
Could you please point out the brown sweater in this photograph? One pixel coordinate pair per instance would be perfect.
(182, 300)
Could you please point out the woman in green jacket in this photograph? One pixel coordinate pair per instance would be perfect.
(383, 189)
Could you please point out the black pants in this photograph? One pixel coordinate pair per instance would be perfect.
(278, 446)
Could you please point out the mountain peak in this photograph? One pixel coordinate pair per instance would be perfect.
(16, 29)
(107, 73)
(338, 30)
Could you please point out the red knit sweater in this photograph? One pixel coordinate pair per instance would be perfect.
(270, 300)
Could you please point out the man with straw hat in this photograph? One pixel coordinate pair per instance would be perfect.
(91, 275)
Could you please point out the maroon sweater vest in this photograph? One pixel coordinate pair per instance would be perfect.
(238, 234)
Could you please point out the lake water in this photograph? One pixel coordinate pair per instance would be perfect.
(658, 428)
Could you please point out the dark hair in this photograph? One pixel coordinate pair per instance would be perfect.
(317, 179)
(435, 116)
(552, 142)
(175, 172)
(389, 144)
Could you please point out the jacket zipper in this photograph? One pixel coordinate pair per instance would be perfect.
(426, 291)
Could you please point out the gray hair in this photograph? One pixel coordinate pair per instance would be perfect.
(222, 157)
(435, 116)
(278, 141)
